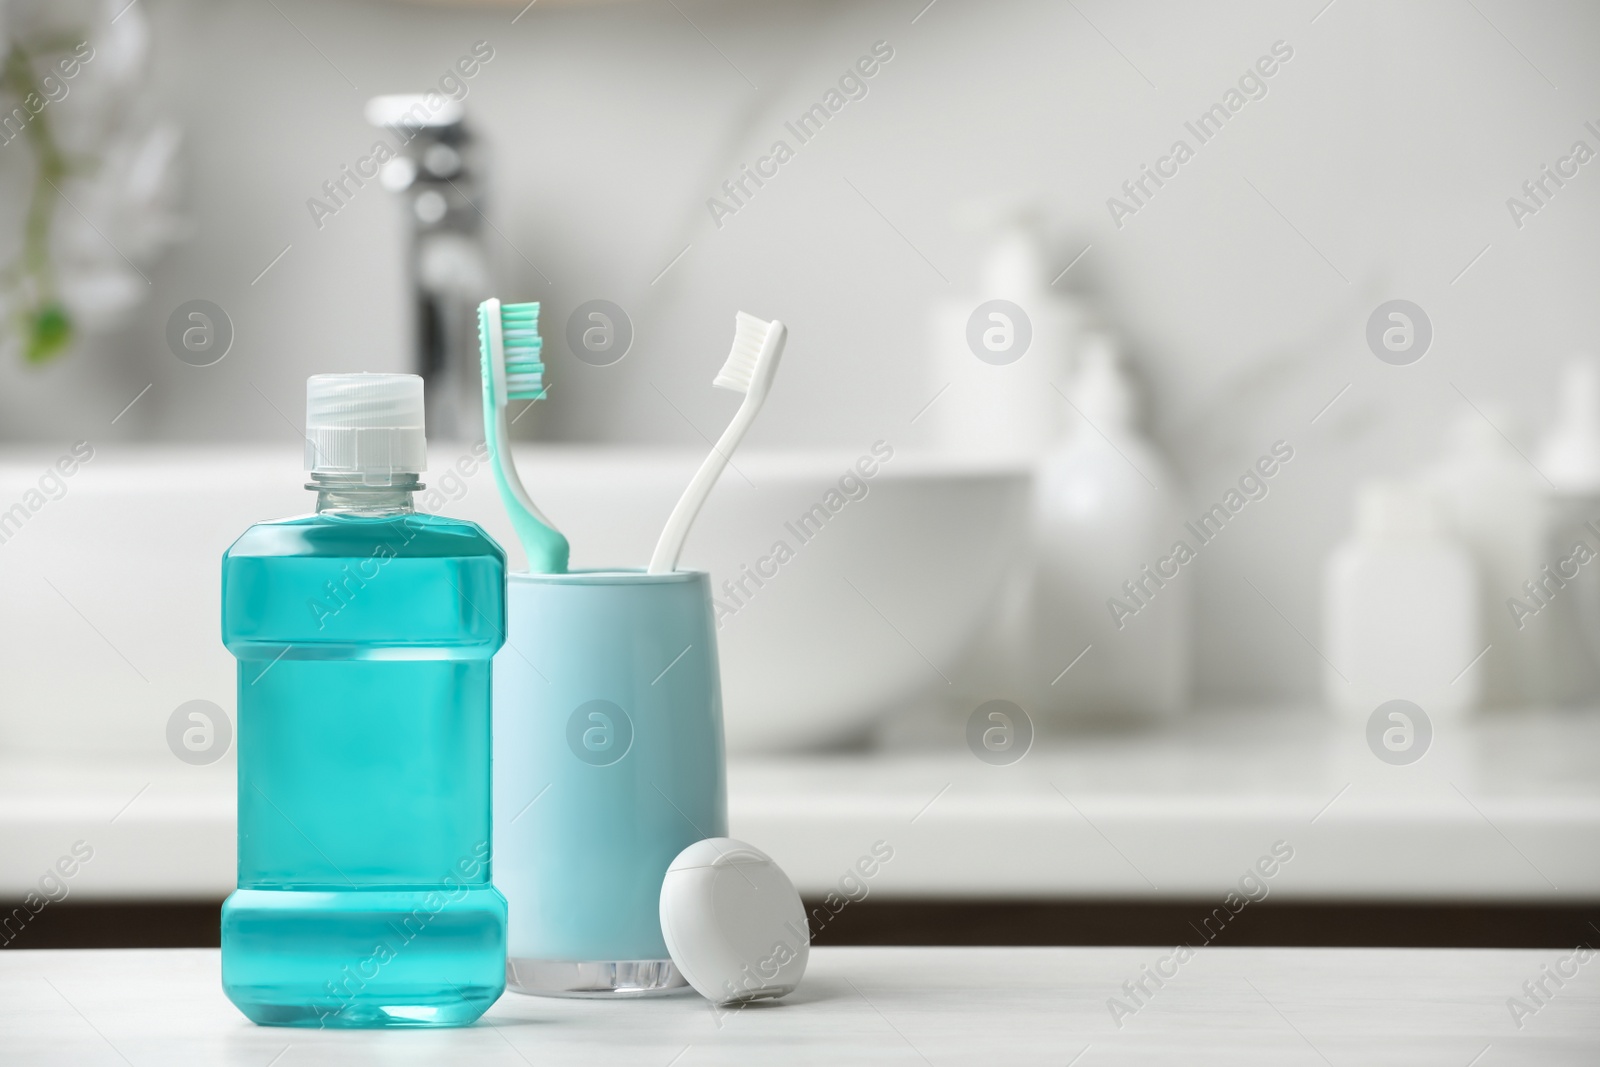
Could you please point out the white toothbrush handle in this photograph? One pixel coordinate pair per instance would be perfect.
(670, 547)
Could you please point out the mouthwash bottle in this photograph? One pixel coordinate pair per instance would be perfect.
(364, 635)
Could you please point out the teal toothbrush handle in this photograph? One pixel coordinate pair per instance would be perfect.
(546, 549)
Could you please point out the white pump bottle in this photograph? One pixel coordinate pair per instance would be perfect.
(995, 386)
(1105, 508)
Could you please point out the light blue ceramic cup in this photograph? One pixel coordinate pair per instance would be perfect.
(608, 762)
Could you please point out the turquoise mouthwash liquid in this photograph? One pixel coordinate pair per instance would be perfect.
(364, 635)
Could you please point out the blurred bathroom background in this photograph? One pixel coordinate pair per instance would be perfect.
(1378, 165)
(995, 150)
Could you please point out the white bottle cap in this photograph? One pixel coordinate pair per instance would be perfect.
(733, 922)
(366, 424)
(1013, 264)
(1101, 390)
(1395, 509)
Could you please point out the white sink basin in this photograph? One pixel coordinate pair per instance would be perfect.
(111, 591)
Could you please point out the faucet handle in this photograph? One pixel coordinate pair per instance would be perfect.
(414, 111)
(433, 138)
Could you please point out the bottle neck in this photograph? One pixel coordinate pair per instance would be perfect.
(348, 494)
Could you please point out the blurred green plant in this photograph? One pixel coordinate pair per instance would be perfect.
(76, 132)
(42, 320)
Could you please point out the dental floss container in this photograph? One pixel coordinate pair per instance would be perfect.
(733, 922)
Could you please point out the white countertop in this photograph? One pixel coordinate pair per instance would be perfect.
(911, 1005)
(1502, 808)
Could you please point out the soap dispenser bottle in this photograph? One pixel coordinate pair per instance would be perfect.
(1401, 619)
(998, 354)
(364, 634)
(1558, 605)
(1105, 510)
(1490, 496)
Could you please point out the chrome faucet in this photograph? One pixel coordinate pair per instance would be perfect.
(435, 173)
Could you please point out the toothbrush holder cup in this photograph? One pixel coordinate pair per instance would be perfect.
(608, 762)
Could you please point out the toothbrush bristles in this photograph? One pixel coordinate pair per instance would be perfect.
(519, 330)
(750, 333)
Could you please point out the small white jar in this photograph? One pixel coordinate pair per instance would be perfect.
(1401, 609)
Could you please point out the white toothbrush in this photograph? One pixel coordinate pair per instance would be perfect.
(757, 346)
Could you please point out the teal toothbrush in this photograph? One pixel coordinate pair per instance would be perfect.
(508, 336)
